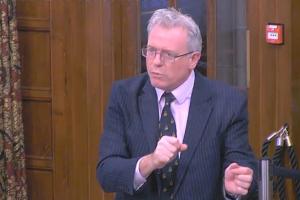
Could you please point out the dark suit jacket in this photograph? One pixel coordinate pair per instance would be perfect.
(216, 135)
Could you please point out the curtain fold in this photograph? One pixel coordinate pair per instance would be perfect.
(12, 153)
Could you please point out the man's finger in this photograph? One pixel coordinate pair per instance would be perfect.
(244, 178)
(243, 184)
(232, 166)
(175, 142)
(183, 147)
(237, 170)
(241, 191)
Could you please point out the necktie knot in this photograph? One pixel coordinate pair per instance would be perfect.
(169, 97)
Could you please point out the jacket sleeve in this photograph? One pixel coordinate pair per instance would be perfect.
(115, 169)
(236, 144)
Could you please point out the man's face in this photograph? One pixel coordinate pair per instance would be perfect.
(164, 74)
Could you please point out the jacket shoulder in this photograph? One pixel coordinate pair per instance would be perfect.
(133, 84)
(222, 90)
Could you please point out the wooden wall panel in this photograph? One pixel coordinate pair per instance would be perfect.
(112, 43)
(33, 9)
(94, 30)
(38, 136)
(211, 39)
(270, 71)
(68, 63)
(62, 128)
(33, 15)
(39, 184)
(35, 58)
(130, 37)
(34, 25)
(71, 53)
(274, 77)
(295, 74)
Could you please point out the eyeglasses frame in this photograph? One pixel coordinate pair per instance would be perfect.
(156, 50)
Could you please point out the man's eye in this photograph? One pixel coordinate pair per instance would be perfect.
(151, 50)
(168, 54)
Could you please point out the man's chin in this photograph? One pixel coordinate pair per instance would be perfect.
(160, 86)
(157, 84)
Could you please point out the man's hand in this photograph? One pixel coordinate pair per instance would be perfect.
(166, 150)
(237, 179)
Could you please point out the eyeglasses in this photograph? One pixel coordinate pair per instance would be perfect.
(165, 56)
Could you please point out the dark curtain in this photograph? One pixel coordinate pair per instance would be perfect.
(12, 155)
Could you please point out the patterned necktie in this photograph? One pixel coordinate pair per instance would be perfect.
(167, 127)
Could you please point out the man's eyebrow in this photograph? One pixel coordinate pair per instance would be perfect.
(169, 50)
(173, 53)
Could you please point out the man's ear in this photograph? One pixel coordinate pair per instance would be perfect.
(194, 59)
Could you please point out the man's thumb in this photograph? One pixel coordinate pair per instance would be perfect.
(183, 147)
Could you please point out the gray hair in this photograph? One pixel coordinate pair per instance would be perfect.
(171, 18)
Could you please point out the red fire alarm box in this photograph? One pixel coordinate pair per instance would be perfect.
(274, 33)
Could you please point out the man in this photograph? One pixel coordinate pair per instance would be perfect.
(171, 133)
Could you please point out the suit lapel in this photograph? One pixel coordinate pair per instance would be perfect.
(199, 113)
(149, 114)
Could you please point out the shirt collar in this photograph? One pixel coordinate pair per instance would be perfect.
(181, 92)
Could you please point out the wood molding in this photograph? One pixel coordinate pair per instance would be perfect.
(37, 93)
(33, 24)
(39, 163)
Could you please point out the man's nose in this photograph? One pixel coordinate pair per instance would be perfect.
(157, 58)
